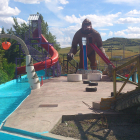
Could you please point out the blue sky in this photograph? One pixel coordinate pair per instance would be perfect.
(111, 18)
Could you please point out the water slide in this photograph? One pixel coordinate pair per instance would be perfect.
(41, 65)
(99, 52)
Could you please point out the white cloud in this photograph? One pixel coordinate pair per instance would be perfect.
(130, 32)
(65, 35)
(30, 1)
(130, 2)
(21, 21)
(0, 30)
(55, 6)
(6, 13)
(97, 21)
(5, 10)
(103, 34)
(60, 8)
(133, 12)
(7, 22)
(119, 33)
(73, 19)
(38, 1)
(128, 20)
(63, 1)
(9, 11)
(133, 30)
(110, 33)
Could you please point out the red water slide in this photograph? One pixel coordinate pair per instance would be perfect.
(41, 65)
(99, 52)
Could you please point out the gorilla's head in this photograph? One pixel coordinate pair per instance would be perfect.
(86, 26)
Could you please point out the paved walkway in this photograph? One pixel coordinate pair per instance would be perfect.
(32, 116)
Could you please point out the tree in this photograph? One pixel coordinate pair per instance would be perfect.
(7, 57)
(13, 52)
(3, 75)
(2, 31)
(48, 35)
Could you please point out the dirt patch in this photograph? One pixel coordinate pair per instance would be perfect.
(103, 128)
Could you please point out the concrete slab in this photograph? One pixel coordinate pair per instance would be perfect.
(71, 98)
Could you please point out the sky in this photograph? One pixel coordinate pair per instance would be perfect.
(111, 18)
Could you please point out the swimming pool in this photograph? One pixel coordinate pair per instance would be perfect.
(5, 136)
(12, 94)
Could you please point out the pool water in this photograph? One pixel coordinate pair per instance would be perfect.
(13, 93)
(5, 136)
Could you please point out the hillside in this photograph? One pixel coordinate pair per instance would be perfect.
(115, 42)
(120, 41)
(132, 47)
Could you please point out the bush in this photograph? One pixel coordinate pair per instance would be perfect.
(3, 76)
(9, 68)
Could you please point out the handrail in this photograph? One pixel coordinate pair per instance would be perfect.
(68, 62)
(137, 65)
(122, 61)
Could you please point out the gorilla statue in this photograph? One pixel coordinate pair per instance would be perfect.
(92, 36)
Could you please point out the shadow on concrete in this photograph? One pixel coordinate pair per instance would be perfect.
(106, 126)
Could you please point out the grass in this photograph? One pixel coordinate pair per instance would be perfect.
(134, 48)
(64, 50)
(101, 64)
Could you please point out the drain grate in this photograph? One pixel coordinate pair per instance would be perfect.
(48, 105)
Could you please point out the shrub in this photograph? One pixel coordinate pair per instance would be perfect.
(3, 76)
(9, 68)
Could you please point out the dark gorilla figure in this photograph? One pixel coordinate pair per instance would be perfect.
(92, 36)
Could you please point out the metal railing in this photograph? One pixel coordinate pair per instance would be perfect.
(69, 66)
(122, 61)
(135, 60)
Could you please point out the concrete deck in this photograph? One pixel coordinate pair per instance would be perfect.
(69, 96)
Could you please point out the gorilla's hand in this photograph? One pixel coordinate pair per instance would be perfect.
(70, 56)
(103, 51)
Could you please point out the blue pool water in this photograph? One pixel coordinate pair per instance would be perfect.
(12, 94)
(4, 136)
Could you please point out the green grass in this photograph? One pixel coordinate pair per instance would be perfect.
(129, 51)
(133, 48)
(64, 50)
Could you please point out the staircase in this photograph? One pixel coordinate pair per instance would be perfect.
(36, 55)
(69, 66)
(128, 102)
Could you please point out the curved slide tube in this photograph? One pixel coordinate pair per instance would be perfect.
(99, 52)
(41, 65)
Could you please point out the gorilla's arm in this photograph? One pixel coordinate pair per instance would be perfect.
(73, 49)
